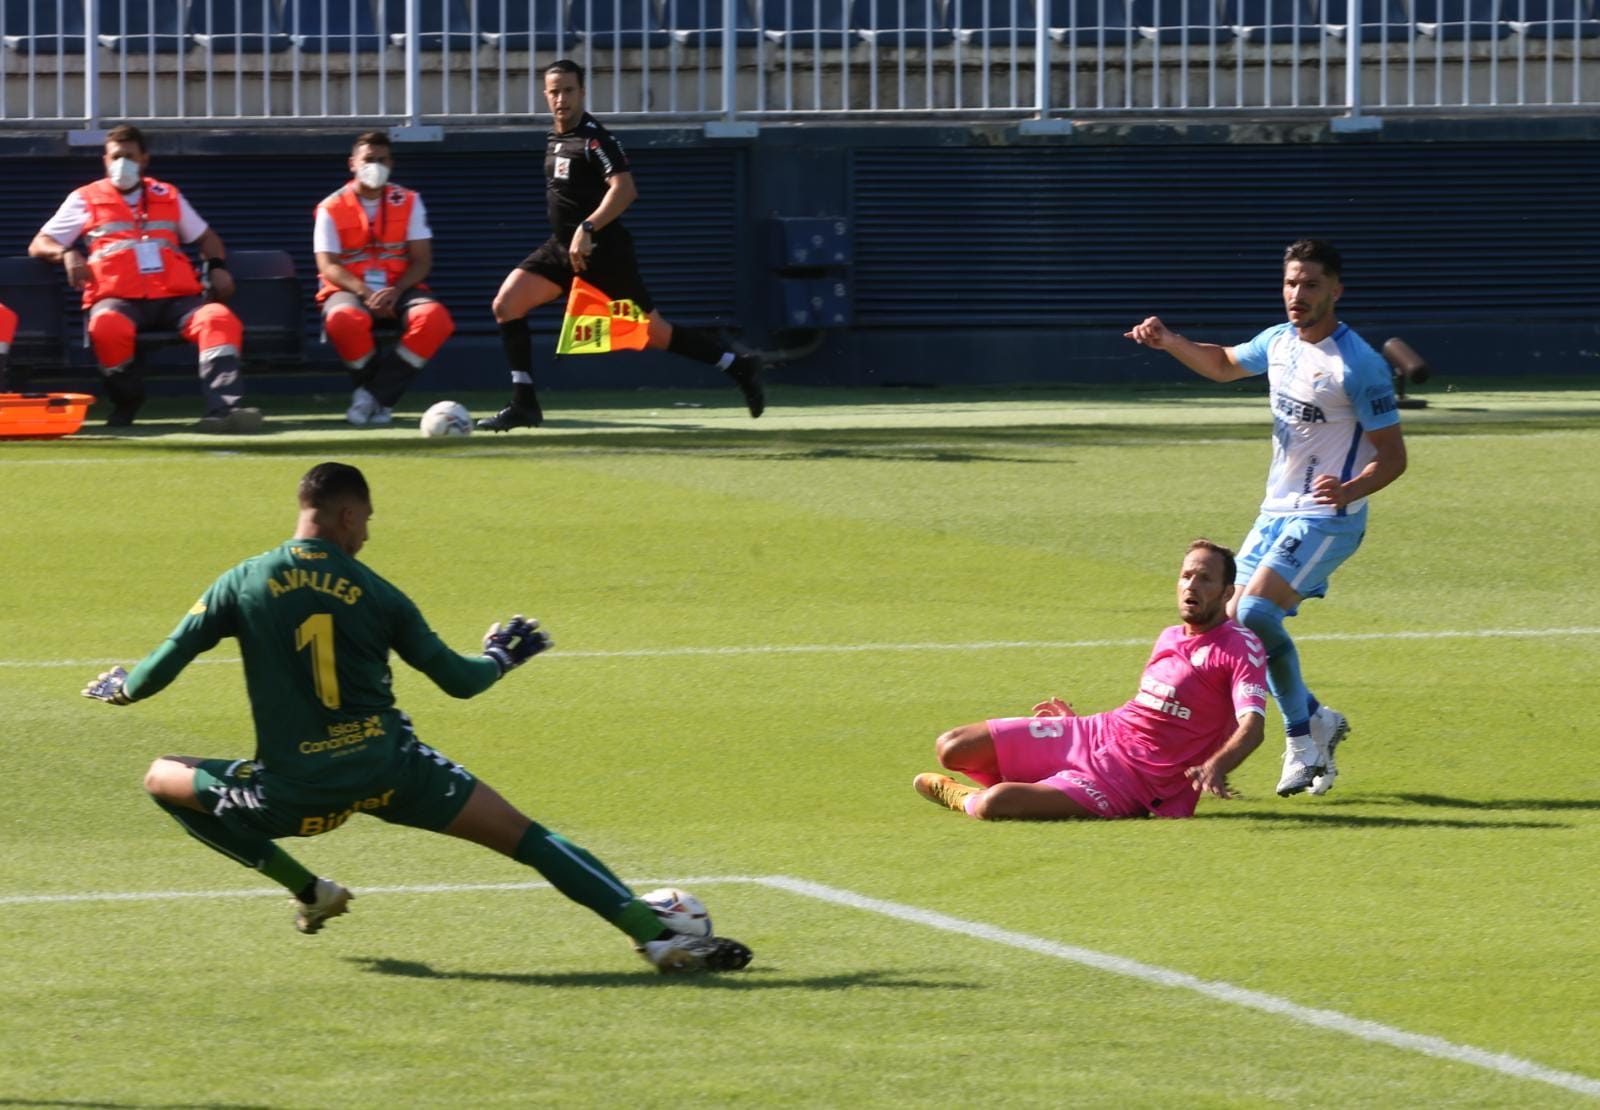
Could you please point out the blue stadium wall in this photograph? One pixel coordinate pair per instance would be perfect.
(979, 254)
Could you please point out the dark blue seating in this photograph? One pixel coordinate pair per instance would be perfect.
(43, 27)
(1179, 21)
(618, 24)
(332, 26)
(441, 25)
(268, 301)
(1091, 23)
(807, 24)
(145, 27)
(898, 24)
(999, 23)
(37, 292)
(1454, 20)
(526, 25)
(1381, 20)
(1272, 22)
(698, 23)
(237, 26)
(1551, 19)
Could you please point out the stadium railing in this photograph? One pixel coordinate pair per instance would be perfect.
(424, 64)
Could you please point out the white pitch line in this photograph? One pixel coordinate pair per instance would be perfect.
(978, 645)
(1370, 1031)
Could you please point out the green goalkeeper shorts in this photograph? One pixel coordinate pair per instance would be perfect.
(420, 788)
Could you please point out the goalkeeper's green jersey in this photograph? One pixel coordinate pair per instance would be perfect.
(315, 627)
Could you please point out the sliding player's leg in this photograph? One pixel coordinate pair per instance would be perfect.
(220, 803)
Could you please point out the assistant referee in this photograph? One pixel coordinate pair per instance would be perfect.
(588, 187)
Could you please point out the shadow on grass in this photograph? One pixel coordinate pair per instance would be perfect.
(1325, 817)
(737, 981)
(1498, 804)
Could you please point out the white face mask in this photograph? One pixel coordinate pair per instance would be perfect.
(372, 175)
(124, 173)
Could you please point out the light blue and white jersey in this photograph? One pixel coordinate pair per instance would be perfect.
(1324, 397)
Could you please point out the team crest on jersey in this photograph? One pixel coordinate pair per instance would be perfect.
(1201, 654)
(563, 167)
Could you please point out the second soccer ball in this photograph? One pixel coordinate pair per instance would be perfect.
(679, 911)
(447, 418)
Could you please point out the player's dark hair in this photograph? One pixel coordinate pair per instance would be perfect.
(127, 133)
(1229, 566)
(1320, 251)
(371, 138)
(329, 483)
(564, 65)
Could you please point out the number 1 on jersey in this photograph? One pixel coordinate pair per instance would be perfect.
(316, 631)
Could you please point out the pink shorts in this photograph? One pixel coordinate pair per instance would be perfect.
(1065, 752)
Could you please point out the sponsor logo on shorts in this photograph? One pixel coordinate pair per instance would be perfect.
(1095, 795)
(311, 826)
(343, 734)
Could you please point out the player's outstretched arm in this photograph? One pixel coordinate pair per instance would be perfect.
(1209, 360)
(1212, 775)
(109, 687)
(514, 643)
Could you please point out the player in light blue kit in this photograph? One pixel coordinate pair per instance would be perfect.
(1335, 441)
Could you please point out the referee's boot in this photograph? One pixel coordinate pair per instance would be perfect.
(513, 416)
(746, 374)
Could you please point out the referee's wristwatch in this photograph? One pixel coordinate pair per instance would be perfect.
(588, 225)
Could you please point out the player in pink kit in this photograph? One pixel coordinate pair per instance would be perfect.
(1198, 714)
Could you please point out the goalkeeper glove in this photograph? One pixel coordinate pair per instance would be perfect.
(108, 687)
(514, 643)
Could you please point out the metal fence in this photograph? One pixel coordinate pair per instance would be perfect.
(423, 63)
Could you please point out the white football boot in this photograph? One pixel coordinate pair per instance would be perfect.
(363, 406)
(681, 952)
(1329, 727)
(332, 900)
(1302, 763)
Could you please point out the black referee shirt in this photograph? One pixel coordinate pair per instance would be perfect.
(576, 166)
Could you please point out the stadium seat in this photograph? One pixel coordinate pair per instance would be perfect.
(268, 301)
(1272, 22)
(144, 26)
(1459, 19)
(807, 24)
(1381, 20)
(1551, 19)
(899, 24)
(1096, 22)
(1177, 21)
(698, 23)
(526, 25)
(618, 24)
(237, 26)
(997, 23)
(42, 27)
(37, 292)
(348, 27)
(441, 25)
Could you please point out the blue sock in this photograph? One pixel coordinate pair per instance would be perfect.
(1265, 619)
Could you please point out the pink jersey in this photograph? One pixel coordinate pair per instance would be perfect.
(1191, 695)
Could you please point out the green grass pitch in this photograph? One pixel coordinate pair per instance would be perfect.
(760, 628)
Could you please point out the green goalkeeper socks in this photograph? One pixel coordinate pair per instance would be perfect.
(587, 881)
(251, 849)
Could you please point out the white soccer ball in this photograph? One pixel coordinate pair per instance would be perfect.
(679, 911)
(447, 418)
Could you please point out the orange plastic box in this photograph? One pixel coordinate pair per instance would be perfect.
(42, 415)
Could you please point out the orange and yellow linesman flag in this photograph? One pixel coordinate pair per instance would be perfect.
(595, 323)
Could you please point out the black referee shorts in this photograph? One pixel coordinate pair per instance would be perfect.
(613, 268)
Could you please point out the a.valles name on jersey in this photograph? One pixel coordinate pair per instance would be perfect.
(322, 581)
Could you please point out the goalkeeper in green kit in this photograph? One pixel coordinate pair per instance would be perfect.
(315, 628)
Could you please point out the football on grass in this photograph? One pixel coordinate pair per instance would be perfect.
(679, 911)
(447, 418)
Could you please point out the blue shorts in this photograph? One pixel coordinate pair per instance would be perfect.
(1304, 550)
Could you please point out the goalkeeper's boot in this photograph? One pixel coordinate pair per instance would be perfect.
(1329, 727)
(681, 952)
(746, 374)
(1302, 763)
(512, 416)
(331, 900)
(944, 790)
